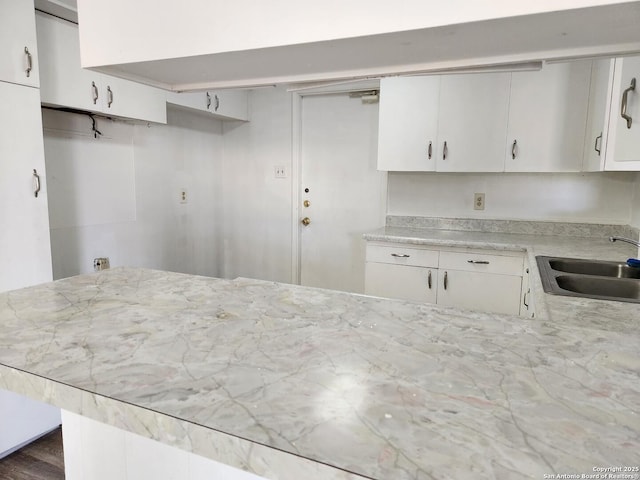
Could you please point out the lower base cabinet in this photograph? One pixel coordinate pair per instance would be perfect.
(97, 451)
(484, 292)
(472, 279)
(400, 281)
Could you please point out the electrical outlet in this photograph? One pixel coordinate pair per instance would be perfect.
(183, 195)
(478, 201)
(101, 263)
(280, 171)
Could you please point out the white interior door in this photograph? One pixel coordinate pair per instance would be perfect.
(346, 194)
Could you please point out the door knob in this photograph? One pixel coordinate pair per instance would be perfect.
(306, 221)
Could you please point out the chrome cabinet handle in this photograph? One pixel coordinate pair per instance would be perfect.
(525, 299)
(208, 101)
(595, 146)
(513, 149)
(445, 151)
(478, 262)
(429, 279)
(29, 62)
(430, 150)
(446, 280)
(400, 255)
(109, 96)
(215, 109)
(36, 183)
(94, 92)
(623, 107)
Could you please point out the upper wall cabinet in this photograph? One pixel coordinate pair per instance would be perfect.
(408, 123)
(472, 122)
(547, 115)
(18, 46)
(223, 104)
(623, 142)
(596, 132)
(66, 84)
(448, 123)
(489, 122)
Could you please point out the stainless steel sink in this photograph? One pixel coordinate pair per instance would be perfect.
(603, 287)
(590, 278)
(594, 267)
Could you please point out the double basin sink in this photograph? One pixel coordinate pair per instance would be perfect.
(590, 278)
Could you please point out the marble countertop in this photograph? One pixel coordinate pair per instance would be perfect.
(291, 382)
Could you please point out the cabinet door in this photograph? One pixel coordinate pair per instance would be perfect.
(124, 98)
(17, 37)
(25, 251)
(485, 292)
(472, 125)
(547, 116)
(597, 116)
(225, 105)
(64, 82)
(228, 104)
(192, 100)
(623, 144)
(400, 281)
(408, 123)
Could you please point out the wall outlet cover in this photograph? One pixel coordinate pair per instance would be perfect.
(478, 201)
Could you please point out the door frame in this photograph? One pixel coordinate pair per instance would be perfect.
(298, 95)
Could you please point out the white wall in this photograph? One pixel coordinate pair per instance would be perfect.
(256, 205)
(572, 197)
(137, 218)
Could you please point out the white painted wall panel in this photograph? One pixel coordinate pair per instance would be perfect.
(91, 181)
(157, 231)
(572, 197)
(257, 206)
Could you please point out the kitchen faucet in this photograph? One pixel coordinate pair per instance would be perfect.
(627, 240)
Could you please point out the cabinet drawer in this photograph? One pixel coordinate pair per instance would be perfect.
(401, 255)
(482, 262)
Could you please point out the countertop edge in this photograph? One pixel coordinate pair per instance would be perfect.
(197, 439)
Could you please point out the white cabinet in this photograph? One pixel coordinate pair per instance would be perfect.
(547, 116)
(397, 271)
(66, 84)
(464, 278)
(485, 282)
(623, 143)
(596, 134)
(97, 451)
(25, 251)
(408, 123)
(223, 104)
(18, 46)
(448, 123)
(472, 124)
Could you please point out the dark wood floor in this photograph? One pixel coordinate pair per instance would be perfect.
(40, 460)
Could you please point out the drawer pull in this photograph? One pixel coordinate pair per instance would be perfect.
(429, 279)
(400, 255)
(478, 262)
(445, 283)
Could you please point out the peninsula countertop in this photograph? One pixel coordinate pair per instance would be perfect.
(294, 382)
